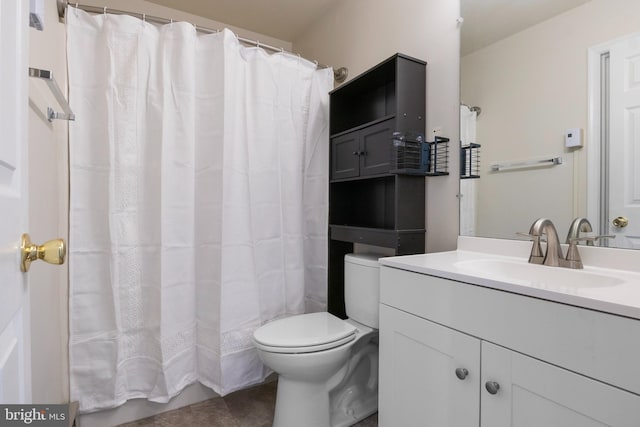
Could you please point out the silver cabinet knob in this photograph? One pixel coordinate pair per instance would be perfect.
(492, 387)
(461, 373)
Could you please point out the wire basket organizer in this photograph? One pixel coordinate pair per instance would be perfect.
(415, 156)
(470, 161)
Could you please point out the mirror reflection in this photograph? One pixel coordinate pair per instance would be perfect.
(551, 94)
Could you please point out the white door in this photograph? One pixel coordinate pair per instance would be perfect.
(624, 140)
(15, 379)
(429, 374)
(525, 392)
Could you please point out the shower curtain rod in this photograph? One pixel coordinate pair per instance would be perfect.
(339, 75)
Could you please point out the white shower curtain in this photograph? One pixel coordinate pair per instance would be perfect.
(198, 205)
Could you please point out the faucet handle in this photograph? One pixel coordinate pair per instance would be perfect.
(536, 256)
(529, 236)
(532, 237)
(573, 259)
(535, 239)
(589, 239)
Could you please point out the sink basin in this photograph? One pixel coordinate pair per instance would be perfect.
(609, 283)
(540, 276)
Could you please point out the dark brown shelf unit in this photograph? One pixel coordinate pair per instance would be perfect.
(405, 241)
(394, 88)
(369, 202)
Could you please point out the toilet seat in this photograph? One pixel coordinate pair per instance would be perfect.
(305, 333)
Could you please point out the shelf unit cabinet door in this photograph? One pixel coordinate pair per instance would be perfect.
(533, 393)
(345, 156)
(376, 149)
(418, 381)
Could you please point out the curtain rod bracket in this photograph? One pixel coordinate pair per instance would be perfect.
(477, 109)
(62, 7)
(341, 74)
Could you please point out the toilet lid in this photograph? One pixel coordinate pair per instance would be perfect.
(304, 333)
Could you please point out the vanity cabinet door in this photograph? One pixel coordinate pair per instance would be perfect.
(429, 374)
(533, 393)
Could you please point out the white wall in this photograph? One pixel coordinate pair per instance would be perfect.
(48, 192)
(358, 34)
(532, 87)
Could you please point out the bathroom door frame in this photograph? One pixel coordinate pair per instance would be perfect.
(598, 142)
(598, 137)
(15, 332)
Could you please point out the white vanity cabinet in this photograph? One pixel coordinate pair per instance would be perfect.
(535, 393)
(419, 384)
(526, 361)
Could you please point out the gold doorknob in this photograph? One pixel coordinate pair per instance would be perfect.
(620, 222)
(52, 252)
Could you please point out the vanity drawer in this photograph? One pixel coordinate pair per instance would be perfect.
(602, 346)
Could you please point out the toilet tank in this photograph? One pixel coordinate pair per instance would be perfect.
(362, 288)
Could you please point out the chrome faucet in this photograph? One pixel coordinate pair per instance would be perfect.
(579, 225)
(553, 257)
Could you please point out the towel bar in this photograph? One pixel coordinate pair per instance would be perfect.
(47, 76)
(497, 167)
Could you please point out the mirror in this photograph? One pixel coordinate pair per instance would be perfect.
(526, 66)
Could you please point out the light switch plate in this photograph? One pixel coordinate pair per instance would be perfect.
(573, 138)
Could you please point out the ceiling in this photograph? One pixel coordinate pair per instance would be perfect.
(281, 19)
(486, 21)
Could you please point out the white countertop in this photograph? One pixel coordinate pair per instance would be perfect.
(622, 266)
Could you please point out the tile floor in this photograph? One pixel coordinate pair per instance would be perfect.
(252, 407)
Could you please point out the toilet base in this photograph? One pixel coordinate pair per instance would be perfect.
(301, 404)
(358, 411)
(356, 397)
(349, 396)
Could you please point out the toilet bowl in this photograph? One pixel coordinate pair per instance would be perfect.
(327, 367)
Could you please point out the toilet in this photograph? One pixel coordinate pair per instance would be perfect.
(328, 367)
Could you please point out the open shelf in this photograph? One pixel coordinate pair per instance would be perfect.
(392, 202)
(394, 87)
(363, 203)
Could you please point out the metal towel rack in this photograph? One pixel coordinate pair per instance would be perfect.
(497, 167)
(47, 76)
